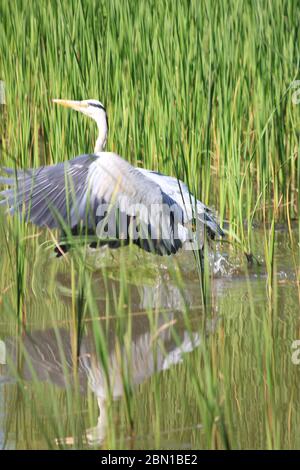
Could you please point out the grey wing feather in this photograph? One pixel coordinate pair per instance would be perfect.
(113, 180)
(179, 191)
(50, 195)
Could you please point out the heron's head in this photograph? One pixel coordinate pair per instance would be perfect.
(95, 110)
(91, 108)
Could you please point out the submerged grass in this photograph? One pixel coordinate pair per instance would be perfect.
(204, 91)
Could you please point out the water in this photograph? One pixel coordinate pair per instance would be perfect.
(154, 369)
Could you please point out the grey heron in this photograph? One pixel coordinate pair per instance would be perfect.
(68, 196)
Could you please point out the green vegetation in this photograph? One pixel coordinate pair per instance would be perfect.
(198, 89)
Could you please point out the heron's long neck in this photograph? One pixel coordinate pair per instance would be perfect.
(103, 130)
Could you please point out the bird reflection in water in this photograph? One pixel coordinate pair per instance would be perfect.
(134, 356)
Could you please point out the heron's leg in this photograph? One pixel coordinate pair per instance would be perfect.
(94, 245)
(60, 250)
(63, 248)
(200, 255)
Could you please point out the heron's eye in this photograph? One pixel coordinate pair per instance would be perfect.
(97, 105)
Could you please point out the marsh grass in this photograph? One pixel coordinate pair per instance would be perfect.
(198, 90)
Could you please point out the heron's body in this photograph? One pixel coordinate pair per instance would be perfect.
(70, 194)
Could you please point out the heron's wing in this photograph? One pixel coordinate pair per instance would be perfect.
(51, 195)
(114, 181)
(180, 193)
(72, 192)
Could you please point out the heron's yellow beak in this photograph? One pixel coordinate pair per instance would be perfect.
(77, 105)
